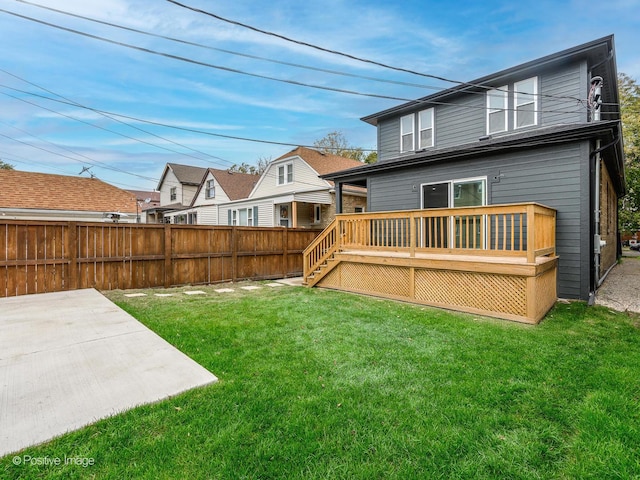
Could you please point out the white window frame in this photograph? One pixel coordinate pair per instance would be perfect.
(520, 99)
(500, 93)
(431, 115)
(173, 193)
(286, 177)
(210, 189)
(236, 216)
(403, 133)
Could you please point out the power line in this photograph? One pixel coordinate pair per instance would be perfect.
(266, 77)
(231, 52)
(123, 123)
(203, 64)
(342, 54)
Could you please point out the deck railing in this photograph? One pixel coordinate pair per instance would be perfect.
(523, 229)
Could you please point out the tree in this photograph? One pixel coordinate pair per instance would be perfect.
(629, 90)
(336, 143)
(257, 169)
(5, 166)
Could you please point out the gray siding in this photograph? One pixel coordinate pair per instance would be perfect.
(571, 81)
(465, 121)
(461, 123)
(554, 176)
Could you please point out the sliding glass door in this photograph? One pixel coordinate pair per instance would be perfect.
(468, 231)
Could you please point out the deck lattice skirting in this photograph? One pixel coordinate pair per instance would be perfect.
(468, 259)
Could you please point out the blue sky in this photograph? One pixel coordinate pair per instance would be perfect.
(457, 40)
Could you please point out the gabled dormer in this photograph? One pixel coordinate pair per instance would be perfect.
(550, 91)
(179, 183)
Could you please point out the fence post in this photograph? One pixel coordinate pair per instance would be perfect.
(73, 255)
(168, 251)
(285, 253)
(234, 254)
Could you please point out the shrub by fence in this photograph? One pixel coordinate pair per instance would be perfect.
(38, 257)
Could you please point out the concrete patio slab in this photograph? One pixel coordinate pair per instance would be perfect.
(251, 287)
(620, 288)
(195, 292)
(294, 281)
(225, 290)
(68, 359)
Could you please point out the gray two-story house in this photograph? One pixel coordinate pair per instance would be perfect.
(547, 131)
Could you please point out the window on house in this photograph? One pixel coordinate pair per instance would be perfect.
(425, 127)
(358, 209)
(285, 174)
(211, 189)
(525, 100)
(173, 193)
(244, 217)
(317, 213)
(192, 218)
(406, 133)
(497, 110)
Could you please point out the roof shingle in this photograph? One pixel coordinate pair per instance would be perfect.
(59, 192)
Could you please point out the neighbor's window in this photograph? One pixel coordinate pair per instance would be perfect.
(245, 217)
(526, 99)
(173, 194)
(497, 110)
(211, 189)
(406, 133)
(317, 213)
(425, 127)
(285, 174)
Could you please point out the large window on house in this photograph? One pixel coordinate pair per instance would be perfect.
(285, 174)
(425, 127)
(244, 217)
(526, 103)
(210, 189)
(406, 133)
(497, 110)
(173, 193)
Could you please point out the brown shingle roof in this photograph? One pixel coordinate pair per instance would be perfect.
(187, 174)
(59, 192)
(236, 185)
(322, 163)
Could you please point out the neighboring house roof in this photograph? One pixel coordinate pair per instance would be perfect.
(45, 191)
(186, 174)
(235, 185)
(146, 199)
(322, 163)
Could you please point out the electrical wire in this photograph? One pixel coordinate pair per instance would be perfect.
(343, 54)
(231, 52)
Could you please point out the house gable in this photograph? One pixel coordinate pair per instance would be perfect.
(549, 91)
(179, 183)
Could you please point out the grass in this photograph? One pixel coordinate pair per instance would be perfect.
(317, 384)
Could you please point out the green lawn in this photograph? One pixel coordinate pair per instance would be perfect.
(321, 384)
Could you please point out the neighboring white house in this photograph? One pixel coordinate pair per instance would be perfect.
(216, 187)
(178, 185)
(290, 193)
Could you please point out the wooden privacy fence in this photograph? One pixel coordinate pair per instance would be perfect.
(38, 257)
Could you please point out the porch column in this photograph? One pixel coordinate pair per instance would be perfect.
(294, 214)
(338, 197)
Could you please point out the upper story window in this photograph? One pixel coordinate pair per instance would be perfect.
(406, 133)
(173, 193)
(497, 110)
(285, 174)
(425, 127)
(525, 103)
(210, 191)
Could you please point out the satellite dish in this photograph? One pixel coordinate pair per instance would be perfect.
(147, 200)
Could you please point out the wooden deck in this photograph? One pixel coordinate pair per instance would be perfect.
(474, 260)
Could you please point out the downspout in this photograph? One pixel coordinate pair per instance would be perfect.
(595, 102)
